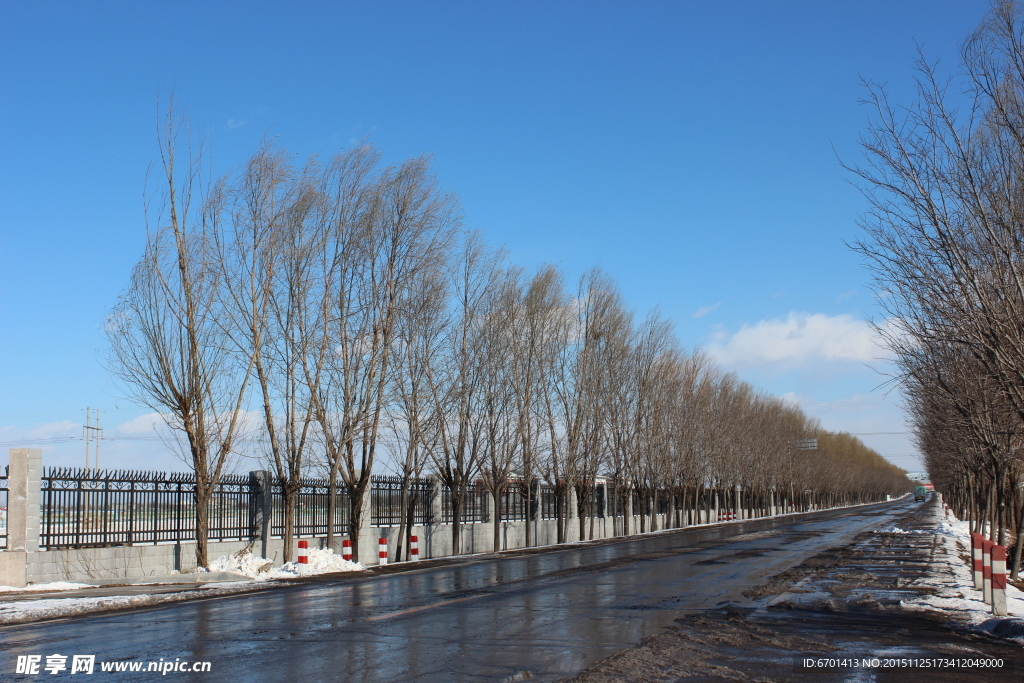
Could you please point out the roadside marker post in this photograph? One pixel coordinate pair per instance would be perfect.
(414, 548)
(303, 558)
(999, 581)
(382, 545)
(976, 541)
(346, 550)
(986, 571)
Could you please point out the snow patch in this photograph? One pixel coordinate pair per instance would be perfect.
(896, 530)
(42, 587)
(955, 592)
(321, 561)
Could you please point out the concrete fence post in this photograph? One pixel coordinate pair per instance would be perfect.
(23, 514)
(533, 513)
(367, 533)
(263, 506)
(23, 499)
(572, 525)
(436, 515)
(488, 508)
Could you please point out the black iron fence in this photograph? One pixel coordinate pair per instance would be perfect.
(548, 502)
(89, 508)
(311, 509)
(473, 508)
(386, 505)
(512, 503)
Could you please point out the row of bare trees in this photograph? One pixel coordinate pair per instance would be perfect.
(334, 317)
(945, 242)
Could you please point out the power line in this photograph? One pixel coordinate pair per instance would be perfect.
(874, 433)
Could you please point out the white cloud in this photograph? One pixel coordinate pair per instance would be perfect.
(143, 425)
(232, 123)
(701, 312)
(46, 430)
(797, 339)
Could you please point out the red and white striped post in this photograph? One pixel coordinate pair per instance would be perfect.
(976, 566)
(346, 550)
(414, 548)
(382, 552)
(303, 558)
(998, 581)
(986, 570)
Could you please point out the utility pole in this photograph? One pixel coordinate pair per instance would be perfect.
(92, 433)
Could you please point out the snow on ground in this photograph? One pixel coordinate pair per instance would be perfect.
(46, 587)
(896, 530)
(261, 572)
(24, 611)
(321, 561)
(953, 579)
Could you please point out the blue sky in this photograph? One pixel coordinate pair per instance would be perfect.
(691, 149)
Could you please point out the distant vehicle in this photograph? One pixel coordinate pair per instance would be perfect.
(920, 493)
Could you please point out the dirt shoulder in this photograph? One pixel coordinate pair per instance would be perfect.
(843, 610)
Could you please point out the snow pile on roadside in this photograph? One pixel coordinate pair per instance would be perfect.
(896, 530)
(255, 567)
(26, 611)
(954, 582)
(44, 587)
(245, 564)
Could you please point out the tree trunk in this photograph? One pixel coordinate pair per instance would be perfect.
(203, 493)
(290, 492)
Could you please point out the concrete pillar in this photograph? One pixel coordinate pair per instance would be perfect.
(572, 521)
(628, 523)
(23, 499)
(436, 516)
(23, 514)
(262, 509)
(670, 516)
(368, 534)
(488, 509)
(533, 514)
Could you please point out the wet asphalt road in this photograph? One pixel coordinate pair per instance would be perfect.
(550, 614)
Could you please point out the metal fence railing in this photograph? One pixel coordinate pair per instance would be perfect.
(89, 508)
(548, 502)
(82, 508)
(512, 503)
(311, 509)
(472, 504)
(386, 501)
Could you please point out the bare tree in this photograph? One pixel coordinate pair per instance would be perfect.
(167, 338)
(456, 424)
(383, 229)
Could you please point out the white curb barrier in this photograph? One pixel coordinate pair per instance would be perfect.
(976, 562)
(986, 571)
(999, 581)
(303, 558)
